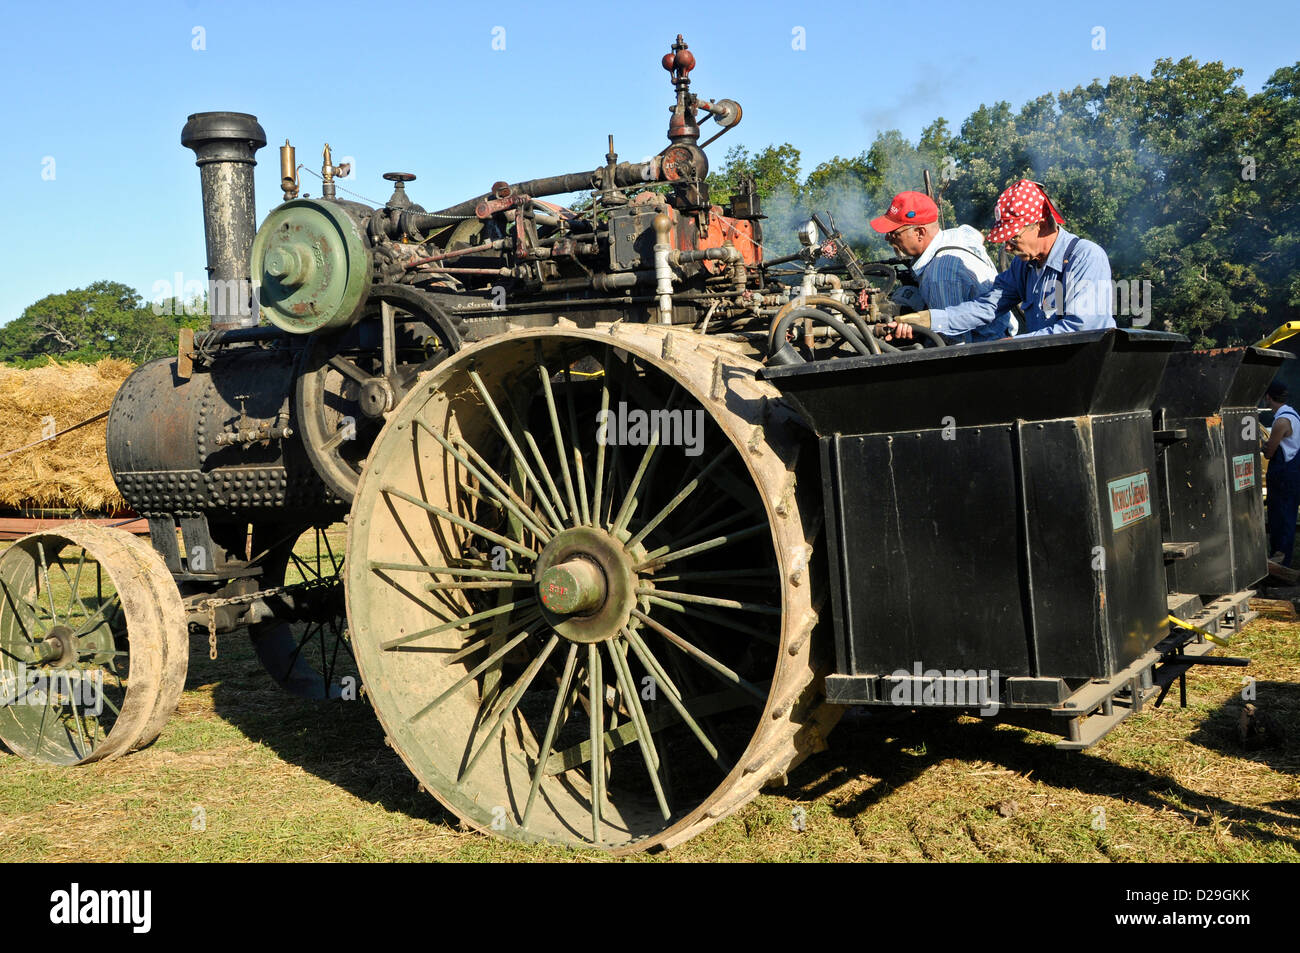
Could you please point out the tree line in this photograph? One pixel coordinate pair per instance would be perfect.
(1185, 179)
(104, 319)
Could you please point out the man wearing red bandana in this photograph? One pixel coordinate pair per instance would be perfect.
(1061, 281)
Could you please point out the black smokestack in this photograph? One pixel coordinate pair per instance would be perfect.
(225, 144)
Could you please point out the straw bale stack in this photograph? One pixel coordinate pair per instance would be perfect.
(70, 471)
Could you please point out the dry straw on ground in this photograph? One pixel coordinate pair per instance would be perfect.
(72, 470)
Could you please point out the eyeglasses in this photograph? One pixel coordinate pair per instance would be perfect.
(892, 237)
(1021, 236)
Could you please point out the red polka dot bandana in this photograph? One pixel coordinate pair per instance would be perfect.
(1018, 206)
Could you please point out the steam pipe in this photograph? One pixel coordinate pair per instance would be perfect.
(626, 174)
(663, 270)
(224, 144)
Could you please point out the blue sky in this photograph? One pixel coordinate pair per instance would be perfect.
(103, 91)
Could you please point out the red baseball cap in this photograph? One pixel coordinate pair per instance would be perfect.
(1018, 206)
(907, 208)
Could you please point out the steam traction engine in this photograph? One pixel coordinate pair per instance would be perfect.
(632, 509)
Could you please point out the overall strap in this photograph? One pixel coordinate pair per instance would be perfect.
(1065, 268)
(939, 251)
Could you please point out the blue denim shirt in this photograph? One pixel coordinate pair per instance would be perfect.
(1088, 295)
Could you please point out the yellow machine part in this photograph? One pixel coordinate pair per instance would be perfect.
(1281, 334)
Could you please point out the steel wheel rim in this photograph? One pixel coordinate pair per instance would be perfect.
(103, 693)
(686, 634)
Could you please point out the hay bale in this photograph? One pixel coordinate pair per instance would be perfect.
(70, 471)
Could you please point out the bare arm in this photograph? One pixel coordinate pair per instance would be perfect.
(1281, 430)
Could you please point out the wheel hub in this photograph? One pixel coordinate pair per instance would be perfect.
(59, 647)
(585, 584)
(376, 397)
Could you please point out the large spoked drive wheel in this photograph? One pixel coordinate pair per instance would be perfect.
(93, 645)
(309, 656)
(574, 541)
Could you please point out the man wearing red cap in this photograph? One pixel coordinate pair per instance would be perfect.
(1061, 281)
(951, 263)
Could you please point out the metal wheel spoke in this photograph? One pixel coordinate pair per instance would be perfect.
(303, 568)
(714, 619)
(580, 475)
(492, 474)
(5, 646)
(460, 521)
(516, 695)
(709, 600)
(679, 499)
(706, 532)
(729, 539)
(472, 674)
(109, 702)
(74, 588)
(520, 459)
(734, 576)
(45, 575)
(552, 726)
(598, 471)
(674, 695)
(629, 499)
(704, 658)
(348, 369)
(560, 445)
(76, 720)
(457, 623)
(18, 616)
(115, 602)
(546, 475)
(297, 651)
(533, 524)
(644, 740)
(596, 718)
(472, 573)
(495, 634)
(40, 735)
(337, 437)
(329, 551)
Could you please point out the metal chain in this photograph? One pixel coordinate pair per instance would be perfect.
(211, 605)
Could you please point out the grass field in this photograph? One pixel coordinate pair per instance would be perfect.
(245, 772)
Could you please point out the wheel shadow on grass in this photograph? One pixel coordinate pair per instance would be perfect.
(338, 741)
(896, 748)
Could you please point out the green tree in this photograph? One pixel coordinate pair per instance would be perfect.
(774, 170)
(104, 319)
(1186, 180)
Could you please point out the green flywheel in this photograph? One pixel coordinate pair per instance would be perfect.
(313, 265)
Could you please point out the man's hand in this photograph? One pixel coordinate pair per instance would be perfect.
(901, 329)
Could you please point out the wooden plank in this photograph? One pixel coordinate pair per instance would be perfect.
(12, 528)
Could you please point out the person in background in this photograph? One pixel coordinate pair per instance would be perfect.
(951, 263)
(1282, 450)
(1061, 281)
